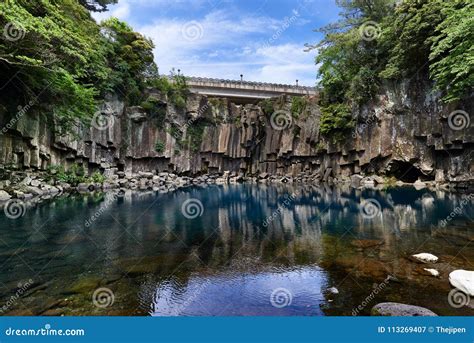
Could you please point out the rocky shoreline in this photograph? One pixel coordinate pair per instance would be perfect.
(37, 185)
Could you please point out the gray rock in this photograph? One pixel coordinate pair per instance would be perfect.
(146, 175)
(398, 309)
(463, 280)
(4, 196)
(35, 183)
(327, 174)
(136, 113)
(355, 180)
(35, 191)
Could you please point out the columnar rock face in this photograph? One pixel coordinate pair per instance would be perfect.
(404, 134)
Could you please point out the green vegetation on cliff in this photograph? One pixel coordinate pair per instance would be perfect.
(378, 41)
(58, 54)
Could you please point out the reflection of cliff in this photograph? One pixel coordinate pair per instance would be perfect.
(232, 223)
(403, 135)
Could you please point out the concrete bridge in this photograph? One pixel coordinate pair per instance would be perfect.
(240, 91)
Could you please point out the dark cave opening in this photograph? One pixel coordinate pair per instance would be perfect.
(406, 172)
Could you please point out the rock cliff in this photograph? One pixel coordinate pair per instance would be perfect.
(404, 134)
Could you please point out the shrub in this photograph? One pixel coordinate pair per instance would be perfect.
(159, 146)
(298, 105)
(336, 120)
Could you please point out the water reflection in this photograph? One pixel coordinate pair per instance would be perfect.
(249, 240)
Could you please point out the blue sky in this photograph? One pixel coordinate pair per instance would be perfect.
(261, 39)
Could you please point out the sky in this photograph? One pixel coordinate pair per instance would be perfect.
(261, 39)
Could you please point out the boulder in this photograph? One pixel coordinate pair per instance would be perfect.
(378, 179)
(146, 175)
(366, 243)
(425, 258)
(4, 196)
(34, 190)
(355, 180)
(463, 280)
(432, 271)
(35, 183)
(397, 309)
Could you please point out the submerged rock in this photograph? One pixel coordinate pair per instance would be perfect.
(425, 258)
(398, 309)
(431, 271)
(366, 243)
(463, 280)
(85, 285)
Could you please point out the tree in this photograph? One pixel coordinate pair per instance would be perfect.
(97, 5)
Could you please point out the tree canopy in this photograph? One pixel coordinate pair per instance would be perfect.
(56, 50)
(376, 41)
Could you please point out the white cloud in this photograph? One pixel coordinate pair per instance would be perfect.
(219, 45)
(120, 11)
(223, 44)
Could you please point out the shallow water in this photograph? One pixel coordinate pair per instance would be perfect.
(250, 250)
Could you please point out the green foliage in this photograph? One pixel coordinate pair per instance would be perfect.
(194, 134)
(132, 54)
(452, 50)
(97, 177)
(74, 175)
(159, 146)
(298, 105)
(216, 102)
(336, 121)
(176, 132)
(413, 37)
(267, 106)
(174, 87)
(156, 109)
(61, 54)
(408, 38)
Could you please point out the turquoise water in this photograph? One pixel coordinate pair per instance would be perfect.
(235, 250)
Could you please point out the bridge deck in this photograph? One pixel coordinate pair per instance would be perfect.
(244, 91)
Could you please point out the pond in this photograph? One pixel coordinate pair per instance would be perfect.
(243, 249)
